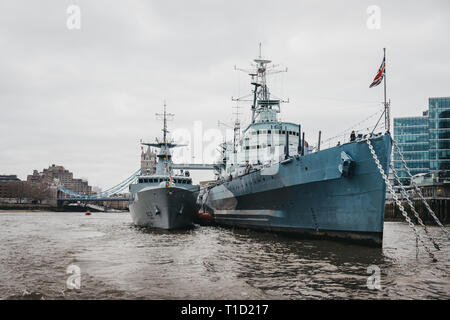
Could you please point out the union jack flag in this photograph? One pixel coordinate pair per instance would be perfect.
(380, 74)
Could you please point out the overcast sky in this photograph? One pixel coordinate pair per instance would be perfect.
(84, 98)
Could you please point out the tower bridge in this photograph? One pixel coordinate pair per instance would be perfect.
(111, 194)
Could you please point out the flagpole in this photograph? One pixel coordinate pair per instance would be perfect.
(386, 107)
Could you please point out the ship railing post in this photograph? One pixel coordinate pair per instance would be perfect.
(303, 143)
(286, 147)
(318, 142)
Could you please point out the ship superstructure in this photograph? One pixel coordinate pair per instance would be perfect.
(266, 140)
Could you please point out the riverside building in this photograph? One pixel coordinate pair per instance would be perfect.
(424, 140)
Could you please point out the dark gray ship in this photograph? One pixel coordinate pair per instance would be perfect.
(161, 198)
(271, 179)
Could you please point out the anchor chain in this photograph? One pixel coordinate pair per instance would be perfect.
(411, 205)
(419, 192)
(397, 201)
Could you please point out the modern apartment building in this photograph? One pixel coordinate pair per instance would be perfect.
(424, 140)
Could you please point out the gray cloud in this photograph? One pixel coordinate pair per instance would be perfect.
(84, 98)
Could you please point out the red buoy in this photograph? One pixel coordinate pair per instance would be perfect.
(203, 218)
(88, 213)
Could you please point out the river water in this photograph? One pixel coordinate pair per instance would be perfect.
(119, 261)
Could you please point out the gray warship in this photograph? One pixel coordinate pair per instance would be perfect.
(160, 198)
(269, 178)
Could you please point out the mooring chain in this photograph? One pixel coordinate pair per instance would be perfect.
(411, 205)
(397, 201)
(419, 192)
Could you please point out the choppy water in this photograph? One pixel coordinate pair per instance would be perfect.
(120, 261)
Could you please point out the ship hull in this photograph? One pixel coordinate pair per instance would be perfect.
(164, 208)
(310, 195)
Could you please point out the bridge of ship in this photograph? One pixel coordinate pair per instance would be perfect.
(66, 195)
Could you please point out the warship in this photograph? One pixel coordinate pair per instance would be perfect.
(269, 178)
(161, 198)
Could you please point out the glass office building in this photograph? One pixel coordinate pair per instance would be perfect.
(439, 133)
(424, 140)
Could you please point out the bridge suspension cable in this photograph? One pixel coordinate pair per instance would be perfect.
(104, 194)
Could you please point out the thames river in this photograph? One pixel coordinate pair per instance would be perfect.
(113, 259)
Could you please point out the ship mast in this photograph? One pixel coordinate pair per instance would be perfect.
(261, 103)
(165, 117)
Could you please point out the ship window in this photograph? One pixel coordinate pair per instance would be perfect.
(247, 147)
(258, 146)
(257, 131)
(140, 180)
(269, 131)
(282, 132)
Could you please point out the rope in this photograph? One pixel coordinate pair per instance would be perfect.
(397, 201)
(416, 214)
(419, 192)
(352, 127)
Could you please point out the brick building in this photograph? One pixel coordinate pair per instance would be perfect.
(58, 175)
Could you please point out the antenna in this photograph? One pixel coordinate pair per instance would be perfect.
(166, 117)
(237, 113)
(264, 104)
(236, 128)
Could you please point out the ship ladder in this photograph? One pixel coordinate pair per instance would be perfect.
(399, 204)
